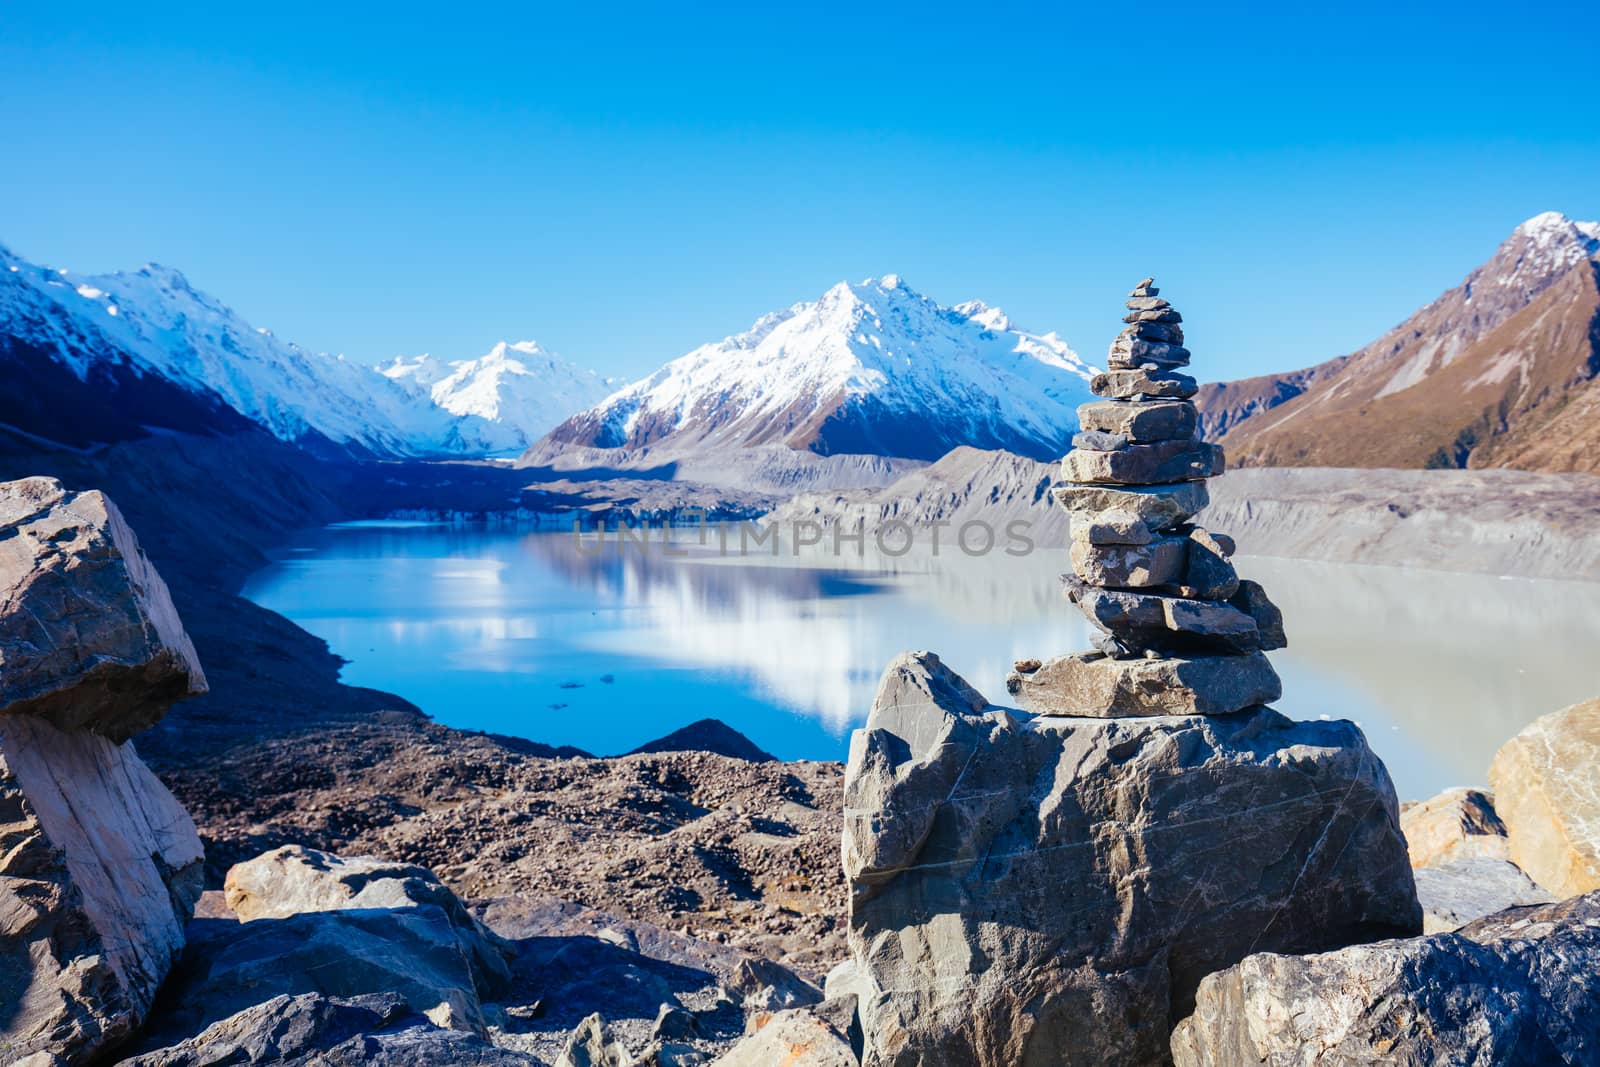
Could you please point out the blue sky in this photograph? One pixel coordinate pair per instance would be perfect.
(623, 183)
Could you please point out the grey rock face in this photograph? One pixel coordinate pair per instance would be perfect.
(1099, 440)
(1164, 623)
(1089, 683)
(1154, 421)
(1152, 464)
(1052, 890)
(1455, 893)
(1207, 573)
(1516, 989)
(1128, 384)
(1157, 506)
(89, 638)
(99, 866)
(294, 879)
(99, 871)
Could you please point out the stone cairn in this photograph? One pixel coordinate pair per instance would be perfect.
(1180, 632)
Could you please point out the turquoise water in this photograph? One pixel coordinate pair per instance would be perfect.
(539, 635)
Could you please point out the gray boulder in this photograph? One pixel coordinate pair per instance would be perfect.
(99, 866)
(1052, 890)
(1157, 506)
(1517, 989)
(1152, 464)
(295, 879)
(89, 638)
(415, 953)
(1455, 893)
(1130, 384)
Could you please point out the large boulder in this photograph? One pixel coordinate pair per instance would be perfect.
(1051, 890)
(413, 952)
(1547, 791)
(1516, 989)
(89, 638)
(294, 879)
(99, 866)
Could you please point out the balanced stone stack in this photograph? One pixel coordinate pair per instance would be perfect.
(1180, 632)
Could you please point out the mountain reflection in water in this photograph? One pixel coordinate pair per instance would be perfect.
(542, 636)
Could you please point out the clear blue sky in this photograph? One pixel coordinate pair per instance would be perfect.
(623, 183)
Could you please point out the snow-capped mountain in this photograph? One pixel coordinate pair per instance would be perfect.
(1502, 370)
(874, 368)
(134, 334)
(520, 388)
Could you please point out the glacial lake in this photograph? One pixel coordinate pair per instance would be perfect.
(558, 639)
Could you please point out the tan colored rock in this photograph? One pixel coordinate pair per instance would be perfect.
(1457, 824)
(89, 637)
(1546, 783)
(1092, 684)
(99, 870)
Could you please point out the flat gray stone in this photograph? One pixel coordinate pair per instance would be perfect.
(1164, 623)
(1456, 893)
(1146, 303)
(1153, 464)
(1110, 528)
(1088, 683)
(1141, 421)
(1157, 506)
(1127, 384)
(1170, 332)
(1163, 314)
(1159, 562)
(1134, 351)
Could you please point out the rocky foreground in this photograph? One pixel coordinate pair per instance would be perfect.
(381, 889)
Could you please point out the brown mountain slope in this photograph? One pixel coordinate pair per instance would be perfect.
(1515, 397)
(1486, 375)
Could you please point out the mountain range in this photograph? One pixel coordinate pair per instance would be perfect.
(873, 368)
(1502, 370)
(91, 359)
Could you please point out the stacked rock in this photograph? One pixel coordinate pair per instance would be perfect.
(1180, 632)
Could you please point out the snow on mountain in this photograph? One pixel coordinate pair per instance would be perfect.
(874, 368)
(157, 325)
(520, 388)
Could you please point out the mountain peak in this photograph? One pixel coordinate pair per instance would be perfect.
(868, 368)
